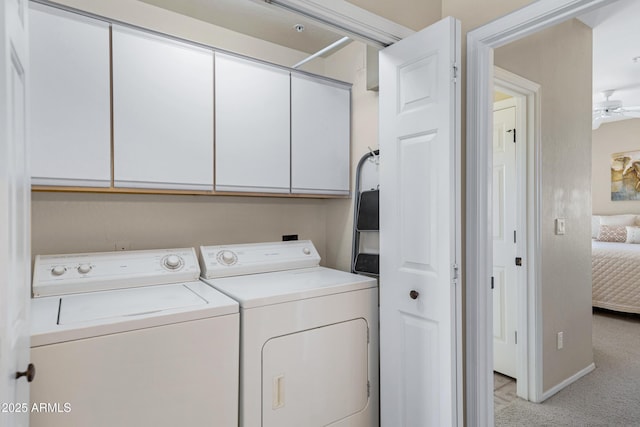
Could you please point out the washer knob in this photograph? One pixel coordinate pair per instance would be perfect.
(306, 251)
(228, 257)
(172, 262)
(84, 268)
(58, 270)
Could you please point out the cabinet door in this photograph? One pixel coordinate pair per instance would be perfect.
(320, 136)
(163, 112)
(252, 126)
(70, 99)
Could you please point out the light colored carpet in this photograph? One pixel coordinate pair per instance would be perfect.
(608, 396)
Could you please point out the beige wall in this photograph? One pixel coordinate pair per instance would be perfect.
(559, 59)
(74, 222)
(610, 138)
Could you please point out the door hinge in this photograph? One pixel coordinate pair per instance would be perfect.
(514, 134)
(455, 271)
(519, 261)
(514, 236)
(368, 336)
(368, 389)
(516, 333)
(455, 73)
(491, 282)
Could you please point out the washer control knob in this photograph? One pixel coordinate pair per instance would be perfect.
(84, 268)
(58, 270)
(172, 262)
(227, 257)
(306, 251)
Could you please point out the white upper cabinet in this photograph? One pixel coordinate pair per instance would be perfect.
(163, 112)
(320, 136)
(70, 121)
(252, 126)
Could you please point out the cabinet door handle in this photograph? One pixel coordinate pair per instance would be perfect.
(414, 294)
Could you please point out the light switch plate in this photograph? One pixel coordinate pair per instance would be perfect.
(560, 226)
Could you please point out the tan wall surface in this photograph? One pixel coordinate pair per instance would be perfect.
(612, 138)
(75, 222)
(559, 59)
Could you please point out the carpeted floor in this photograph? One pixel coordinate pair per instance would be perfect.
(608, 396)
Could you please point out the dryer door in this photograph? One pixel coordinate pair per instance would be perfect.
(315, 377)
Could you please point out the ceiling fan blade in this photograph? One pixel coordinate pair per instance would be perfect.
(633, 108)
(597, 121)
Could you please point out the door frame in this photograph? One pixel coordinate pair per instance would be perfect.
(478, 264)
(526, 95)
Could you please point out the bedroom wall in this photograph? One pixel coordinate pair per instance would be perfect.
(610, 138)
(82, 222)
(559, 59)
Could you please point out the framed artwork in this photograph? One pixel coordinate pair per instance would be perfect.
(625, 176)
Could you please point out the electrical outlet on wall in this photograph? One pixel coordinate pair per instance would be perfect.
(560, 226)
(560, 340)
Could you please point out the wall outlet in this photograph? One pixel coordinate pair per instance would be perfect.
(289, 237)
(560, 340)
(560, 226)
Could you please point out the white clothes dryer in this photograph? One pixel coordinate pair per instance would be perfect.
(132, 339)
(309, 335)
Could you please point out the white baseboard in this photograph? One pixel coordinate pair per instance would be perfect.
(553, 390)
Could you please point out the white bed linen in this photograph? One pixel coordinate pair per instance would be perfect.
(616, 276)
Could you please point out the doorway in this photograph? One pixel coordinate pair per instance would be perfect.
(513, 229)
(480, 45)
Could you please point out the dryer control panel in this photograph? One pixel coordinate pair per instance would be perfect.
(74, 273)
(238, 260)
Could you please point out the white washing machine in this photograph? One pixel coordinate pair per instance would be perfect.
(132, 339)
(308, 335)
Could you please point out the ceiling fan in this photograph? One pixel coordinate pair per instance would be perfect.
(611, 110)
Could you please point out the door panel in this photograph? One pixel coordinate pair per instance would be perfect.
(162, 112)
(252, 142)
(419, 229)
(315, 377)
(71, 98)
(504, 245)
(15, 196)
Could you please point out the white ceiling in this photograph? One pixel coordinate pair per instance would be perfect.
(257, 19)
(616, 41)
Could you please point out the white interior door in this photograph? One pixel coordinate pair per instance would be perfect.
(420, 229)
(15, 196)
(504, 239)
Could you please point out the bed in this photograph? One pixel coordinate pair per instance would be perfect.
(616, 276)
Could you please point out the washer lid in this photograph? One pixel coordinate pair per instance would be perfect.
(258, 290)
(80, 308)
(70, 317)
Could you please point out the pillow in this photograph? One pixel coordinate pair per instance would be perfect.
(612, 233)
(618, 220)
(633, 234)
